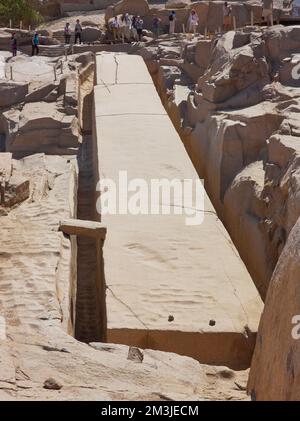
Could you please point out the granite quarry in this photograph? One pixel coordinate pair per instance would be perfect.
(143, 306)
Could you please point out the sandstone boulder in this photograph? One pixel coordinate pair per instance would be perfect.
(133, 7)
(12, 93)
(91, 34)
(89, 23)
(240, 72)
(203, 53)
(281, 42)
(167, 76)
(177, 4)
(39, 127)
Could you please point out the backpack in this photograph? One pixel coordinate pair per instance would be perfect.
(171, 17)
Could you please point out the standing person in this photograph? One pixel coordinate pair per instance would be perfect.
(67, 33)
(172, 21)
(127, 27)
(115, 25)
(133, 27)
(139, 27)
(35, 44)
(267, 13)
(227, 10)
(193, 22)
(14, 44)
(156, 26)
(78, 32)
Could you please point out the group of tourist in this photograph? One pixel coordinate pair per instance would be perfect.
(77, 32)
(35, 42)
(129, 27)
(193, 22)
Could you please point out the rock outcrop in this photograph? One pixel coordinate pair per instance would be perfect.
(38, 127)
(37, 291)
(39, 108)
(277, 349)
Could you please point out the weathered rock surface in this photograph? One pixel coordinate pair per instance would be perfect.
(144, 269)
(39, 127)
(12, 93)
(39, 360)
(236, 105)
(277, 349)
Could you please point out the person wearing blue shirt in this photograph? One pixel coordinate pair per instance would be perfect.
(35, 44)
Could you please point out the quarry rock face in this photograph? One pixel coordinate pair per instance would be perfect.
(122, 307)
(277, 349)
(42, 195)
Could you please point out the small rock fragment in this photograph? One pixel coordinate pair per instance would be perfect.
(52, 384)
(134, 354)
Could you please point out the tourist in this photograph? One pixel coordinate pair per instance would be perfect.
(227, 10)
(193, 22)
(78, 32)
(133, 28)
(267, 13)
(156, 26)
(139, 27)
(115, 26)
(67, 33)
(125, 27)
(172, 22)
(14, 44)
(35, 44)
